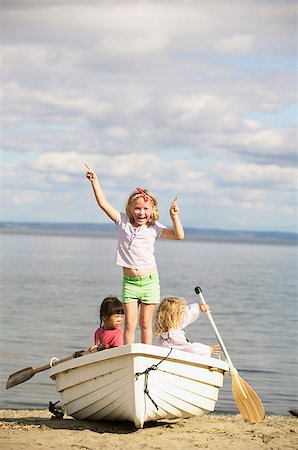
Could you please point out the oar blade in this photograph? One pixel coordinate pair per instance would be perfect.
(20, 377)
(249, 404)
(25, 374)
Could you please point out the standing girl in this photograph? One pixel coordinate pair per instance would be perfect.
(173, 315)
(137, 231)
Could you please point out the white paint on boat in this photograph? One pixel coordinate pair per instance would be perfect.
(111, 384)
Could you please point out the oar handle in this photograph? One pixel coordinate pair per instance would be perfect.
(198, 291)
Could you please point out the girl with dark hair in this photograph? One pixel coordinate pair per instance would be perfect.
(109, 334)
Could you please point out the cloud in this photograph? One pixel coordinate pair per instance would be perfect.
(251, 176)
(152, 92)
(18, 197)
(238, 43)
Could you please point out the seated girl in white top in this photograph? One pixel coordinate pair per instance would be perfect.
(173, 315)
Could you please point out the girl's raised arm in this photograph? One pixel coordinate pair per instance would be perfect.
(110, 211)
(177, 232)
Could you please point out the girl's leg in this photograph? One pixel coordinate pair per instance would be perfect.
(130, 321)
(146, 314)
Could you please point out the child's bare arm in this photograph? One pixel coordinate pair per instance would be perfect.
(177, 233)
(92, 348)
(111, 212)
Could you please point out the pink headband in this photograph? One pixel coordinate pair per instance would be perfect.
(146, 197)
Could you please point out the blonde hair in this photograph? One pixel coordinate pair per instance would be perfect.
(134, 196)
(169, 314)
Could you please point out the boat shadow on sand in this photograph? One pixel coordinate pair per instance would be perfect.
(69, 423)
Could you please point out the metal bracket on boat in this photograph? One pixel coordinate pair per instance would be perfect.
(53, 361)
(216, 369)
(57, 411)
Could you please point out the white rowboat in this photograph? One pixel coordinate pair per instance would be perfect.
(139, 383)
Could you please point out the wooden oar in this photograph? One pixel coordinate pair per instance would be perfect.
(25, 374)
(247, 401)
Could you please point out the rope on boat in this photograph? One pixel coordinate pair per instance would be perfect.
(146, 373)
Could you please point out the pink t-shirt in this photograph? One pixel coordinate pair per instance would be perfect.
(109, 338)
(136, 248)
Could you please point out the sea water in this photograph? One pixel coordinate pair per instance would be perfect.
(52, 286)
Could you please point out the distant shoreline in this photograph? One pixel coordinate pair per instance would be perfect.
(109, 231)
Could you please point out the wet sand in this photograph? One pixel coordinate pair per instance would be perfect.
(34, 429)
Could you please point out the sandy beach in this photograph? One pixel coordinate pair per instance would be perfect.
(34, 429)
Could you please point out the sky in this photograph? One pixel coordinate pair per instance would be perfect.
(195, 99)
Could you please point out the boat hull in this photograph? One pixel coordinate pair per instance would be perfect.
(139, 383)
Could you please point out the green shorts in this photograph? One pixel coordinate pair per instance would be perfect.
(144, 289)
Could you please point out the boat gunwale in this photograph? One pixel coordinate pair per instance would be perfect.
(140, 350)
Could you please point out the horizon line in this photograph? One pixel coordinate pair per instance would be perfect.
(108, 224)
